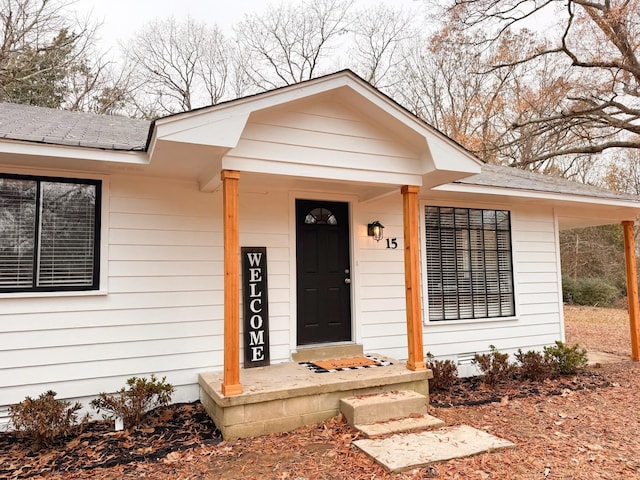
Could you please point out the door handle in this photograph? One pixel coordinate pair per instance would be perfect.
(347, 281)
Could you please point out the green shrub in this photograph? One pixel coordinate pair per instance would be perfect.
(444, 373)
(589, 291)
(534, 365)
(45, 419)
(566, 360)
(133, 401)
(494, 366)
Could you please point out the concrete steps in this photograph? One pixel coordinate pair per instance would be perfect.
(388, 412)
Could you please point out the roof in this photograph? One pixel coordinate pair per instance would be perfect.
(111, 132)
(517, 179)
(79, 129)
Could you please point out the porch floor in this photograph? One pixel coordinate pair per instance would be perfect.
(287, 396)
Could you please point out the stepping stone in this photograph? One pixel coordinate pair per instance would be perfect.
(410, 450)
(414, 422)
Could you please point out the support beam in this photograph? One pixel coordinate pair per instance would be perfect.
(632, 288)
(231, 379)
(412, 277)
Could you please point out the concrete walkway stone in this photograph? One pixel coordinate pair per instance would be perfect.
(405, 451)
(415, 422)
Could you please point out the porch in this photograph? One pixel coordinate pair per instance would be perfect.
(286, 396)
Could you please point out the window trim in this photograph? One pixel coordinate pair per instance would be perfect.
(424, 273)
(97, 242)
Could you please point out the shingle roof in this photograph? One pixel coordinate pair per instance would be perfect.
(111, 132)
(79, 129)
(514, 178)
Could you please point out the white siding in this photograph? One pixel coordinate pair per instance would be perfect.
(326, 136)
(162, 311)
(381, 280)
(163, 307)
(538, 318)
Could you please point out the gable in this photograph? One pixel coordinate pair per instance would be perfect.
(335, 128)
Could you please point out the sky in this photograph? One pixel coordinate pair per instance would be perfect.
(122, 18)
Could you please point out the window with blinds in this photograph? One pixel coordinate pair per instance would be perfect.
(49, 234)
(469, 263)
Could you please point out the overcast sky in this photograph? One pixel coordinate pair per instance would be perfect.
(122, 18)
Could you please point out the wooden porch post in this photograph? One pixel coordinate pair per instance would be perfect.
(412, 277)
(231, 241)
(632, 288)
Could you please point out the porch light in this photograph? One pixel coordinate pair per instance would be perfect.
(375, 230)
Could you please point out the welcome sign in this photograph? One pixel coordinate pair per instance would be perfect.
(256, 306)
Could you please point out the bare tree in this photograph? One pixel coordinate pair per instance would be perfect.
(178, 66)
(287, 43)
(39, 45)
(598, 40)
(379, 35)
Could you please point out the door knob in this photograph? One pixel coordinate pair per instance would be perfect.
(347, 281)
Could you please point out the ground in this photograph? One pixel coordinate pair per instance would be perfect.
(582, 427)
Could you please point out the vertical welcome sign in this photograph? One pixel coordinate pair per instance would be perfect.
(256, 306)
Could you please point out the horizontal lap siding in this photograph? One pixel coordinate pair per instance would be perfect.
(381, 279)
(323, 134)
(382, 303)
(163, 311)
(264, 222)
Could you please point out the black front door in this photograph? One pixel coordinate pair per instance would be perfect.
(323, 272)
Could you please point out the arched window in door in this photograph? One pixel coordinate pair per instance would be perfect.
(320, 216)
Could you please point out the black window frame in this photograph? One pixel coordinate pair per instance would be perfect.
(95, 285)
(455, 243)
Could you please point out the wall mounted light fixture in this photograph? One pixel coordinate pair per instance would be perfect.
(374, 230)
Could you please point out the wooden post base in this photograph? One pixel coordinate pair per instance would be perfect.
(230, 390)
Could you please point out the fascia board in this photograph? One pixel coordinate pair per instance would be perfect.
(76, 153)
(437, 141)
(513, 192)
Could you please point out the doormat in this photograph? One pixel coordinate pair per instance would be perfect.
(343, 364)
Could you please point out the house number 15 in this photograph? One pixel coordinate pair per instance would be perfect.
(392, 243)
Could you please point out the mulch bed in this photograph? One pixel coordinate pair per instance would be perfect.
(173, 429)
(471, 391)
(184, 427)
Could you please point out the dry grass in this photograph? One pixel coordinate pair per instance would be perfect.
(602, 329)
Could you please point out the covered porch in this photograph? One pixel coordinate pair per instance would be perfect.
(287, 396)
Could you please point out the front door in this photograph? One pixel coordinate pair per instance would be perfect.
(323, 272)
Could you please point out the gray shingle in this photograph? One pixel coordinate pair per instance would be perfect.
(80, 129)
(110, 132)
(514, 178)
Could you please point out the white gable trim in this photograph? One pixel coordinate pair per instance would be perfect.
(441, 160)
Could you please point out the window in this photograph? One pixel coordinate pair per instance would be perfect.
(320, 216)
(469, 267)
(49, 234)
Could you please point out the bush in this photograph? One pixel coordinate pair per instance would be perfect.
(45, 419)
(534, 365)
(566, 360)
(133, 402)
(589, 291)
(494, 366)
(444, 373)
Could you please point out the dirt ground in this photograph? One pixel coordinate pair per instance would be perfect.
(583, 427)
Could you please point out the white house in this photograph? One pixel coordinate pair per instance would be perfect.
(114, 234)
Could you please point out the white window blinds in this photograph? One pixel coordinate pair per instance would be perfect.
(48, 234)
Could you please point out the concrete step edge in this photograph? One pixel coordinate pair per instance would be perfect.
(423, 422)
